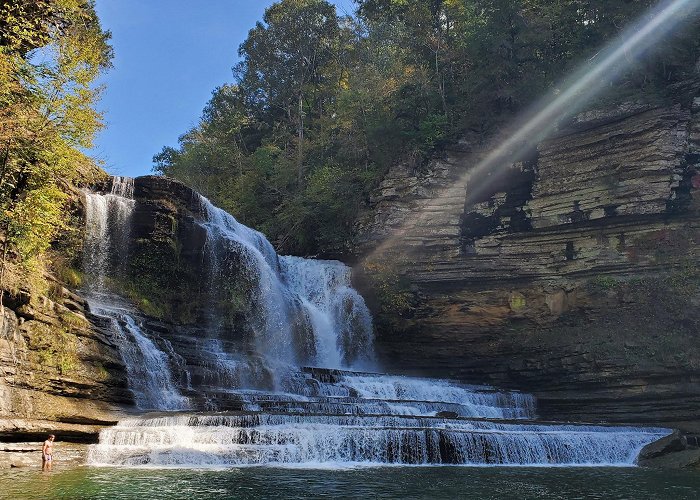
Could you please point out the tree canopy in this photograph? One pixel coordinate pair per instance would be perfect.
(323, 105)
(51, 52)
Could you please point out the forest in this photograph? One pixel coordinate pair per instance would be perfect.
(320, 107)
(323, 104)
(51, 52)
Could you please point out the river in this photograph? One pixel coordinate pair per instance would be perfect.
(446, 482)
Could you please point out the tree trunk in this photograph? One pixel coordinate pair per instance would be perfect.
(300, 145)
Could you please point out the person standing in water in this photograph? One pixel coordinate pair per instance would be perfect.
(47, 453)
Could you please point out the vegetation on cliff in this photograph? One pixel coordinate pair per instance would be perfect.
(324, 104)
(51, 52)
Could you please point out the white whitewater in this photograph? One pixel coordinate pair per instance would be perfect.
(228, 440)
(418, 396)
(271, 409)
(107, 222)
(342, 324)
(336, 329)
(291, 430)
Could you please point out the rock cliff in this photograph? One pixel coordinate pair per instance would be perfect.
(60, 369)
(572, 274)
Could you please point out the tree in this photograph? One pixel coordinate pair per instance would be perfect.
(288, 63)
(51, 51)
(324, 105)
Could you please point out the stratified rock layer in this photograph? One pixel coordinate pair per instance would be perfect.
(572, 274)
(60, 369)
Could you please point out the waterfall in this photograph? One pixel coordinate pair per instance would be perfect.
(341, 322)
(305, 312)
(384, 425)
(301, 312)
(107, 227)
(296, 386)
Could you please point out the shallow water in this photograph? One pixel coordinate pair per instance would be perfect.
(380, 482)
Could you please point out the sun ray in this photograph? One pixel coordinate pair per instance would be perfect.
(534, 125)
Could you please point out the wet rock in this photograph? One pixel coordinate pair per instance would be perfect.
(669, 444)
(446, 414)
(59, 372)
(683, 459)
(28, 454)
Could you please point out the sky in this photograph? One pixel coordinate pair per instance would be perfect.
(169, 56)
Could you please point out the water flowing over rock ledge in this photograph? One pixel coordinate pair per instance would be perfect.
(251, 362)
(186, 349)
(346, 418)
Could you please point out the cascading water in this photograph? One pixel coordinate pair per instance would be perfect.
(273, 410)
(341, 322)
(304, 312)
(107, 222)
(342, 424)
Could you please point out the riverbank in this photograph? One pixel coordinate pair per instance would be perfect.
(28, 455)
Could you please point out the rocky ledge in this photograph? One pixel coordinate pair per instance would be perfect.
(572, 274)
(676, 451)
(66, 454)
(60, 370)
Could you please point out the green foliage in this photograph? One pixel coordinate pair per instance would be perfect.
(605, 282)
(157, 285)
(323, 105)
(394, 297)
(47, 117)
(102, 372)
(685, 281)
(152, 279)
(53, 347)
(74, 321)
(34, 220)
(70, 276)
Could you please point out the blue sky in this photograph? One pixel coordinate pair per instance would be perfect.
(169, 56)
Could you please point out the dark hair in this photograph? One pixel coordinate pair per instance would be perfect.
(52, 436)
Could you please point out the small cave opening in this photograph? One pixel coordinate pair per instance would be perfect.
(496, 203)
(690, 181)
(569, 252)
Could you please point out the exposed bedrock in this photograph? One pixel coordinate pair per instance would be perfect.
(60, 369)
(572, 274)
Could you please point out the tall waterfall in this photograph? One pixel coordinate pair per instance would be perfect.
(107, 224)
(304, 311)
(298, 391)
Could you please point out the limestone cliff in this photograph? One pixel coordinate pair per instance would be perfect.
(572, 274)
(60, 368)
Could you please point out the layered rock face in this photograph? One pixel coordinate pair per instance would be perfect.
(571, 274)
(60, 369)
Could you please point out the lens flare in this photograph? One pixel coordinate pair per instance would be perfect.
(535, 125)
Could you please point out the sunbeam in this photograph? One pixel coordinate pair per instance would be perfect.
(542, 119)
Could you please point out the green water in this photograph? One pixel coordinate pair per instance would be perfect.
(380, 482)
